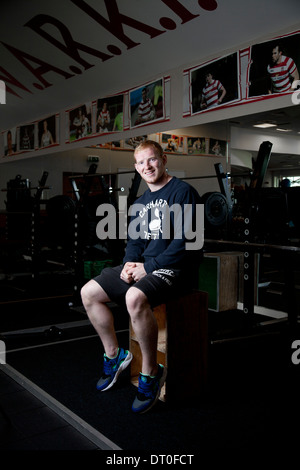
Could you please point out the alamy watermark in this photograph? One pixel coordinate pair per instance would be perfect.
(296, 93)
(152, 221)
(296, 354)
(2, 92)
(2, 352)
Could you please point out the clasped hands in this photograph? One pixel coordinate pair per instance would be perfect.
(132, 272)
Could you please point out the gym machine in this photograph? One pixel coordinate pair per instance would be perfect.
(273, 212)
(23, 217)
(257, 225)
(86, 245)
(65, 234)
(263, 230)
(70, 223)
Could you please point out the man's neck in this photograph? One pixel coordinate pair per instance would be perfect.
(161, 183)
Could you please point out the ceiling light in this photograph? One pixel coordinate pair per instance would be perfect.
(265, 125)
(283, 130)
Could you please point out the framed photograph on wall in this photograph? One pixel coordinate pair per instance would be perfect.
(79, 122)
(10, 142)
(197, 145)
(214, 84)
(274, 65)
(26, 137)
(109, 114)
(132, 142)
(172, 143)
(147, 103)
(48, 132)
(218, 147)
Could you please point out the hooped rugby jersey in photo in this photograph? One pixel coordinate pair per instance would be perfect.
(280, 74)
(145, 108)
(211, 92)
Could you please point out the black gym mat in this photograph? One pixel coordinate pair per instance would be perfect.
(250, 403)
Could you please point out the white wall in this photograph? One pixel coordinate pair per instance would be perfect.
(75, 160)
(241, 158)
(243, 144)
(248, 139)
(110, 161)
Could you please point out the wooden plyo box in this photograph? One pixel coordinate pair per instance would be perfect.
(219, 277)
(182, 346)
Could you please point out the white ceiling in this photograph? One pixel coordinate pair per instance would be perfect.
(185, 33)
(287, 125)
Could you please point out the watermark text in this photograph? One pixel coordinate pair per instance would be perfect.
(155, 220)
(2, 352)
(296, 93)
(296, 354)
(2, 92)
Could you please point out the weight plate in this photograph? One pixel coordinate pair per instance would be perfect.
(215, 208)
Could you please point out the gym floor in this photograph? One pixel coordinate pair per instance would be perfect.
(48, 398)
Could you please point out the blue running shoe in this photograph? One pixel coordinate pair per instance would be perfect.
(112, 369)
(149, 390)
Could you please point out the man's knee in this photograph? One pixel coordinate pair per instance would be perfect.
(136, 301)
(92, 292)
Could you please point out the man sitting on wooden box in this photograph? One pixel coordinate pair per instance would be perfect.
(165, 238)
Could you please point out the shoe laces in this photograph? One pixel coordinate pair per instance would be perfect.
(108, 365)
(146, 387)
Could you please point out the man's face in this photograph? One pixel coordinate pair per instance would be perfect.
(208, 78)
(149, 166)
(276, 55)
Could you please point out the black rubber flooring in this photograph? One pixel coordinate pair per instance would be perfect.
(250, 404)
(27, 424)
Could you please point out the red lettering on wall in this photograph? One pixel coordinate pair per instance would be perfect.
(39, 71)
(114, 25)
(180, 10)
(70, 47)
(116, 20)
(208, 5)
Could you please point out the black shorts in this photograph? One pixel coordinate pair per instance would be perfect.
(159, 286)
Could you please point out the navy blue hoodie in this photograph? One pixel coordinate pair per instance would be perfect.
(153, 236)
